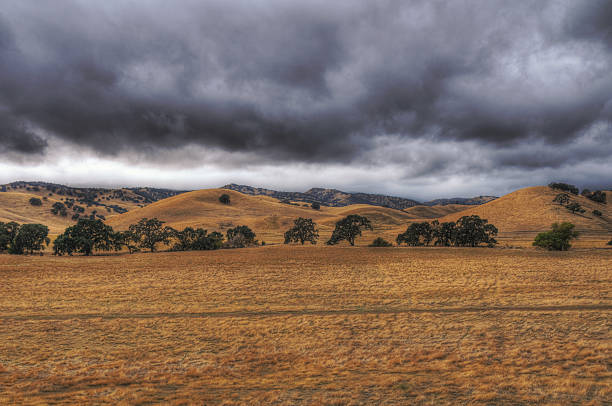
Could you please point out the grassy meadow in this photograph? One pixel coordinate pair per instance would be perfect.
(312, 325)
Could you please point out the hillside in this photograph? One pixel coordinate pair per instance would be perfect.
(328, 197)
(468, 201)
(525, 212)
(338, 198)
(78, 202)
(432, 212)
(267, 216)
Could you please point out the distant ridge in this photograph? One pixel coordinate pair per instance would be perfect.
(338, 198)
(472, 201)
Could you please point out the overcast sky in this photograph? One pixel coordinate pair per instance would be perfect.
(420, 99)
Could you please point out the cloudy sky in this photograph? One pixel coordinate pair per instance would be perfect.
(421, 99)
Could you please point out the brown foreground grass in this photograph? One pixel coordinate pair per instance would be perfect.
(316, 325)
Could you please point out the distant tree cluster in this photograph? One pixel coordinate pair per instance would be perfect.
(565, 200)
(598, 196)
(23, 239)
(557, 239)
(468, 231)
(564, 186)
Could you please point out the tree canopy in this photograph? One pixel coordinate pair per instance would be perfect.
(303, 230)
(240, 237)
(29, 238)
(349, 228)
(150, 232)
(85, 237)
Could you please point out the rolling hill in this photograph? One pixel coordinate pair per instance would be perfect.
(84, 202)
(267, 216)
(520, 215)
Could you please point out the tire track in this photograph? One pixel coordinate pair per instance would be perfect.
(307, 312)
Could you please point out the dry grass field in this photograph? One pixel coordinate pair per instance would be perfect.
(314, 325)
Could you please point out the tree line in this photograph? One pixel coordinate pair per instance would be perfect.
(93, 235)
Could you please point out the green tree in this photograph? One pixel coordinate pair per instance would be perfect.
(597, 213)
(85, 237)
(150, 232)
(125, 239)
(471, 231)
(444, 234)
(35, 201)
(557, 239)
(29, 238)
(197, 239)
(224, 198)
(349, 228)
(315, 205)
(240, 237)
(380, 242)
(8, 231)
(416, 234)
(303, 230)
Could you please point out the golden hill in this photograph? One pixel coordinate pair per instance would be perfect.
(268, 217)
(432, 212)
(16, 207)
(520, 215)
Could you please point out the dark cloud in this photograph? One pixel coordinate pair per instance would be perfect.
(305, 81)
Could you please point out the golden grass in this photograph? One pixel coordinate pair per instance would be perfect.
(322, 325)
(522, 214)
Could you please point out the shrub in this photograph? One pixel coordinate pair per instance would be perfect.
(315, 205)
(557, 239)
(224, 198)
(380, 242)
(597, 213)
(35, 201)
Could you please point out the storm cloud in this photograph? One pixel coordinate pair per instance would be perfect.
(526, 83)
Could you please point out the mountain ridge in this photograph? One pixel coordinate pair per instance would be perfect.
(338, 198)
